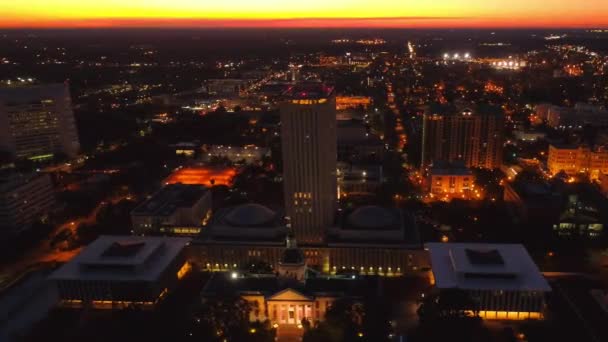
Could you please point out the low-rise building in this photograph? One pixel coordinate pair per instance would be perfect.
(531, 201)
(247, 154)
(580, 218)
(356, 179)
(357, 144)
(574, 160)
(175, 209)
(117, 272)
(290, 295)
(451, 180)
(524, 135)
(573, 117)
(501, 279)
(368, 241)
(352, 102)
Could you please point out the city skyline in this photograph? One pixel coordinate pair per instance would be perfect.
(316, 14)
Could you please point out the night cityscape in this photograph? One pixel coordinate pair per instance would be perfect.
(319, 171)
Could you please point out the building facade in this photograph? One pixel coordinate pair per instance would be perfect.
(37, 122)
(472, 134)
(24, 199)
(175, 209)
(117, 272)
(308, 133)
(501, 279)
(449, 180)
(574, 160)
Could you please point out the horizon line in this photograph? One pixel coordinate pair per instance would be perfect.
(414, 22)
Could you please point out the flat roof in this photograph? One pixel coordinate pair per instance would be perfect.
(485, 266)
(171, 197)
(122, 258)
(308, 90)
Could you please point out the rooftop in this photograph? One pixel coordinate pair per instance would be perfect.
(269, 285)
(308, 91)
(374, 218)
(201, 175)
(33, 93)
(479, 266)
(171, 197)
(122, 258)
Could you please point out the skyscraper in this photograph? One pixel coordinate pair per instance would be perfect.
(473, 134)
(308, 129)
(37, 121)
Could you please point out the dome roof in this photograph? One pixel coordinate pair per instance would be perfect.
(250, 214)
(371, 216)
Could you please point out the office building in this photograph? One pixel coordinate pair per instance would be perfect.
(308, 132)
(473, 134)
(502, 279)
(574, 160)
(37, 121)
(117, 272)
(247, 154)
(174, 209)
(24, 200)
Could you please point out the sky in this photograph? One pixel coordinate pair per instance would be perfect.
(304, 13)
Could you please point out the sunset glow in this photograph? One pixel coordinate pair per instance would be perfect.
(309, 13)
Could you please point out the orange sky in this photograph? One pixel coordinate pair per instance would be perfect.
(303, 13)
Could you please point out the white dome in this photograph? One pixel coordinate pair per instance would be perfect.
(371, 217)
(250, 214)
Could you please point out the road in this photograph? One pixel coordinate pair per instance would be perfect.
(42, 253)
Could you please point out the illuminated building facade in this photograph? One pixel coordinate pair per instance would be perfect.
(237, 154)
(175, 209)
(202, 175)
(368, 240)
(117, 272)
(285, 301)
(580, 218)
(574, 160)
(352, 102)
(308, 133)
(472, 134)
(24, 199)
(451, 180)
(37, 122)
(502, 279)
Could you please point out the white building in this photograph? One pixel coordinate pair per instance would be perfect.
(37, 121)
(176, 209)
(502, 279)
(116, 272)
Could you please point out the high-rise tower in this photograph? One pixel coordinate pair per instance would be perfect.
(472, 134)
(308, 129)
(37, 121)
